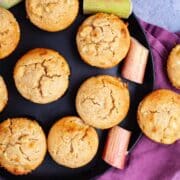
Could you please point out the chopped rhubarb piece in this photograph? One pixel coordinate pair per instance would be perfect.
(135, 62)
(9, 3)
(122, 8)
(115, 150)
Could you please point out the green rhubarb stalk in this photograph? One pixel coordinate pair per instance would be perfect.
(122, 8)
(9, 3)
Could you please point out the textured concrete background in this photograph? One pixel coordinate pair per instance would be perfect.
(165, 13)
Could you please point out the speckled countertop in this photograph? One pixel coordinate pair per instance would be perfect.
(165, 13)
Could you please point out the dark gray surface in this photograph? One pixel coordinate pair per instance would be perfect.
(46, 115)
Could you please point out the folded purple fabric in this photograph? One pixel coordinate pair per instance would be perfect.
(161, 42)
(149, 160)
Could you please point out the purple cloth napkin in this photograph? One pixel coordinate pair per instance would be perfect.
(149, 160)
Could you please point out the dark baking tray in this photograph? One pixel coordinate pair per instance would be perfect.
(46, 115)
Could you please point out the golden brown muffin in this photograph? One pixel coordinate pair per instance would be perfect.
(3, 94)
(42, 75)
(52, 15)
(9, 33)
(103, 40)
(72, 143)
(22, 145)
(103, 101)
(159, 116)
(173, 66)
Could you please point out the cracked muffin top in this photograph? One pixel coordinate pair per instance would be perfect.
(159, 116)
(9, 33)
(52, 15)
(42, 75)
(103, 101)
(72, 143)
(173, 66)
(22, 145)
(103, 40)
(3, 94)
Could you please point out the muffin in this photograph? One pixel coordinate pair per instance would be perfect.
(42, 75)
(9, 33)
(72, 143)
(173, 66)
(103, 101)
(158, 116)
(52, 15)
(103, 40)
(23, 145)
(3, 94)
